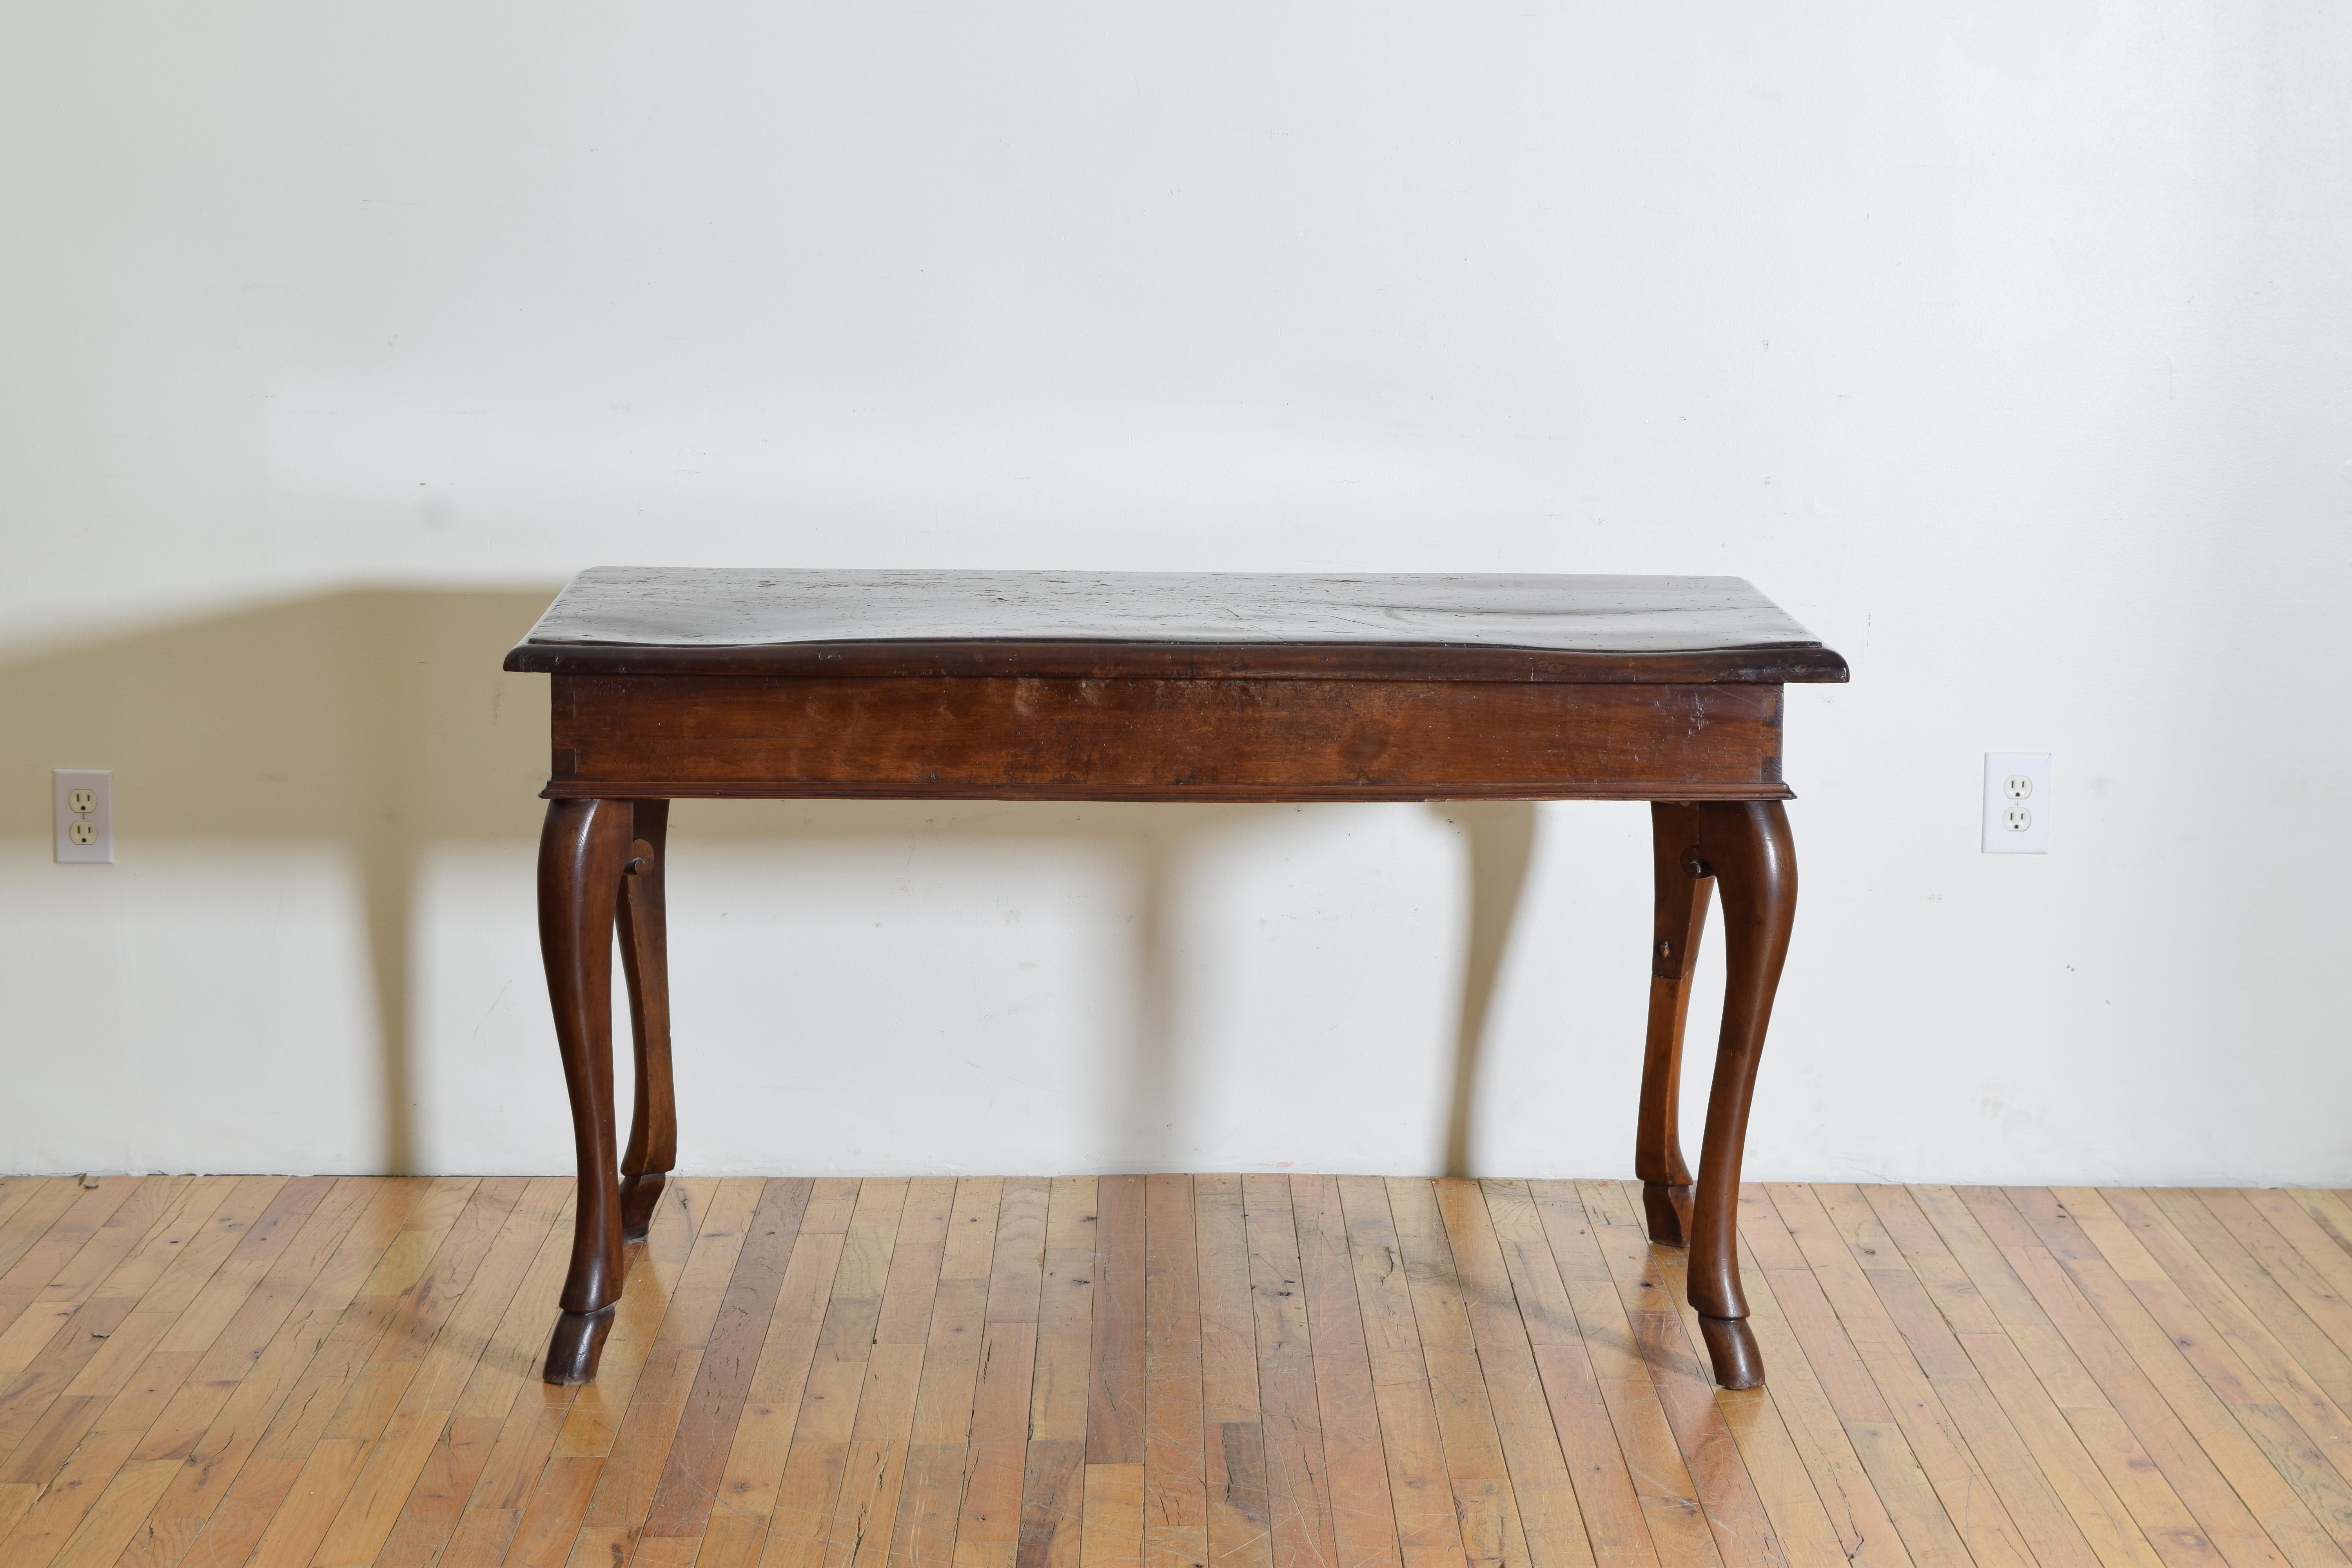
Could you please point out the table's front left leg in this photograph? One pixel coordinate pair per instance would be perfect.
(581, 853)
(645, 961)
(1746, 844)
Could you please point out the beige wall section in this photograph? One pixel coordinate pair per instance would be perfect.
(2003, 347)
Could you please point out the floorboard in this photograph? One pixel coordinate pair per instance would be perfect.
(1169, 1371)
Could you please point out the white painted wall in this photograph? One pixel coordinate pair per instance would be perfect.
(2004, 343)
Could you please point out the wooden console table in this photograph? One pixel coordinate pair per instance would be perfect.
(1148, 686)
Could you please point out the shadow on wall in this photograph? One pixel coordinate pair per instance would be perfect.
(379, 720)
(374, 721)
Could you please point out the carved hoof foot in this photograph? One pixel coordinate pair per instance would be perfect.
(1668, 1210)
(640, 1196)
(1732, 1345)
(578, 1346)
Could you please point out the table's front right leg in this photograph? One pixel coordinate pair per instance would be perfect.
(1748, 847)
(582, 852)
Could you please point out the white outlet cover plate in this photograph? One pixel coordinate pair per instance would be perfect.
(99, 781)
(1999, 837)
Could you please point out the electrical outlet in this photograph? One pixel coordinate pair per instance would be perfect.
(85, 816)
(2017, 803)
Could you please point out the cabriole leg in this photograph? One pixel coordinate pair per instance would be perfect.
(1746, 844)
(581, 853)
(645, 961)
(1682, 886)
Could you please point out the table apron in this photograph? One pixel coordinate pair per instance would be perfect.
(1057, 739)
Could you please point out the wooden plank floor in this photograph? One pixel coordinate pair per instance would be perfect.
(1169, 1371)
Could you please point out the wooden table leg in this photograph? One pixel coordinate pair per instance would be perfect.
(1683, 886)
(581, 854)
(1748, 847)
(645, 961)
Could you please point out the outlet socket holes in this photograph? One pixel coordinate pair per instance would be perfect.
(84, 809)
(2017, 803)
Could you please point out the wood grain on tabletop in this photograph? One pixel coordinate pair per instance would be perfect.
(1186, 626)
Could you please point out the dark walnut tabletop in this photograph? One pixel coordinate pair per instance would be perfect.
(634, 620)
